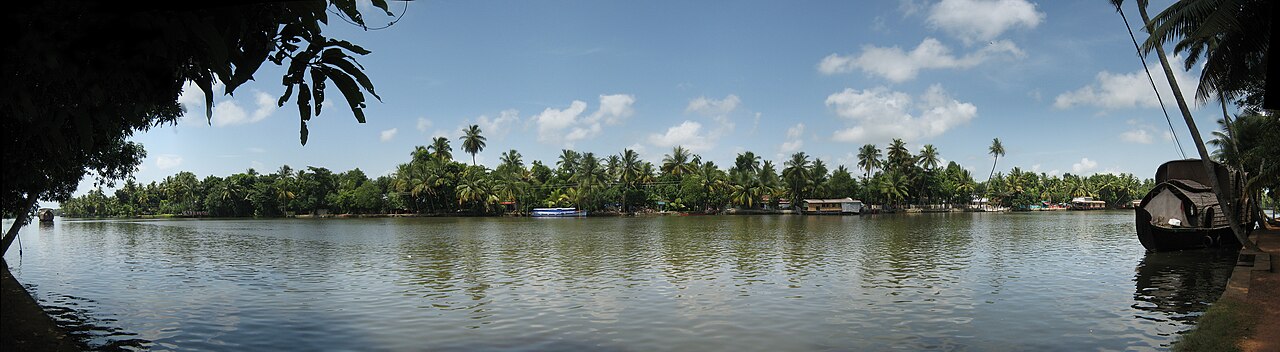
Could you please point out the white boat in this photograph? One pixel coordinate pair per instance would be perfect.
(558, 212)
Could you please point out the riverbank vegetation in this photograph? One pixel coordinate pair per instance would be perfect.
(431, 182)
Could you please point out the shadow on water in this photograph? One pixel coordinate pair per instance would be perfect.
(1176, 287)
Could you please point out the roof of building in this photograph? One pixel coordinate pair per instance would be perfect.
(831, 201)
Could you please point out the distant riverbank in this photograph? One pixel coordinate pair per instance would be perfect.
(736, 212)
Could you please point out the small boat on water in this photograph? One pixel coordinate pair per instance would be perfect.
(1182, 212)
(45, 215)
(558, 212)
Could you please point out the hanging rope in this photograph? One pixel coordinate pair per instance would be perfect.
(1153, 82)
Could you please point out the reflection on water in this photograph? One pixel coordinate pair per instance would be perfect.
(1176, 287)
(1061, 281)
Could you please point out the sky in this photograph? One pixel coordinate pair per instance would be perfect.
(1057, 82)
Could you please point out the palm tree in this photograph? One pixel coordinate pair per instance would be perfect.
(894, 187)
(747, 162)
(568, 163)
(589, 176)
(628, 173)
(474, 187)
(818, 177)
(472, 141)
(512, 158)
(1218, 189)
(899, 157)
(868, 159)
(796, 176)
(1229, 35)
(929, 157)
(996, 150)
(440, 149)
(676, 163)
(511, 162)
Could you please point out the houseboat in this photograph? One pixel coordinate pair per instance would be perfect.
(45, 215)
(1182, 211)
(841, 206)
(558, 212)
(1087, 203)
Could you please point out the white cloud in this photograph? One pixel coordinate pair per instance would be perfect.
(717, 110)
(615, 108)
(688, 134)
(897, 65)
(1085, 165)
(1139, 135)
(789, 147)
(982, 20)
(423, 124)
(878, 115)
(712, 107)
(497, 128)
(795, 131)
(1130, 90)
(387, 135)
(168, 161)
(256, 150)
(565, 126)
(794, 143)
(227, 111)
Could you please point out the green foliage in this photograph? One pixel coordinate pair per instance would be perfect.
(623, 183)
(81, 77)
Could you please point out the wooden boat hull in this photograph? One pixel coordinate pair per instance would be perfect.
(1163, 239)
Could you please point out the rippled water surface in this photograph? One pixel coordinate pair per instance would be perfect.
(1049, 281)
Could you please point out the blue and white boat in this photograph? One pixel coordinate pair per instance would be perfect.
(558, 212)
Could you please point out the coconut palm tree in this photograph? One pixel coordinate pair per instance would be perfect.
(568, 163)
(1218, 189)
(589, 177)
(676, 163)
(474, 187)
(512, 158)
(868, 159)
(796, 176)
(899, 158)
(472, 141)
(929, 157)
(996, 150)
(747, 162)
(440, 149)
(1231, 36)
(628, 173)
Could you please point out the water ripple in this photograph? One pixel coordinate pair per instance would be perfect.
(1064, 281)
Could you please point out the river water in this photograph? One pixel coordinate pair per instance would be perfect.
(969, 281)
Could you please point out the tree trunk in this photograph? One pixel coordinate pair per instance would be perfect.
(1227, 204)
(993, 168)
(21, 217)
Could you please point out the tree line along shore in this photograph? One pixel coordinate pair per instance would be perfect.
(433, 183)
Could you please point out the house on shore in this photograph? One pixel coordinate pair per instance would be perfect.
(838, 206)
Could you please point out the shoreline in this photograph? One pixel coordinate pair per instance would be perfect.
(1249, 304)
(727, 212)
(27, 327)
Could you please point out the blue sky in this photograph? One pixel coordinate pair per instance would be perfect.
(1057, 82)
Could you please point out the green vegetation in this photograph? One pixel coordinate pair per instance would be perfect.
(432, 183)
(84, 76)
(1220, 328)
(1232, 37)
